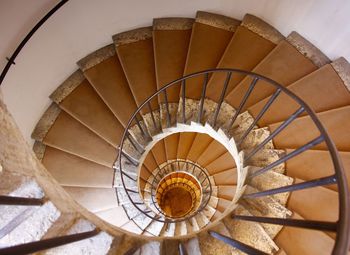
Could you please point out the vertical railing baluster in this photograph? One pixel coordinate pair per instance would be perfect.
(244, 100)
(182, 250)
(10, 200)
(222, 97)
(204, 88)
(258, 117)
(152, 115)
(168, 117)
(183, 96)
(275, 133)
(134, 144)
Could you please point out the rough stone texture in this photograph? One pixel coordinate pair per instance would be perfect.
(142, 139)
(47, 120)
(132, 36)
(97, 245)
(17, 180)
(173, 107)
(250, 233)
(142, 221)
(173, 24)
(267, 207)
(151, 248)
(168, 230)
(307, 49)
(124, 199)
(202, 221)
(191, 110)
(212, 246)
(67, 86)
(34, 227)
(241, 124)
(209, 212)
(254, 138)
(262, 28)
(271, 180)
(217, 20)
(192, 246)
(148, 120)
(155, 227)
(39, 150)
(130, 184)
(131, 210)
(129, 149)
(226, 113)
(180, 228)
(265, 157)
(342, 67)
(96, 57)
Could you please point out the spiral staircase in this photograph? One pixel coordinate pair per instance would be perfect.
(193, 136)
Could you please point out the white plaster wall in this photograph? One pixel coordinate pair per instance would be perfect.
(85, 25)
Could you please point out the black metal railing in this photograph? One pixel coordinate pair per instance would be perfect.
(338, 178)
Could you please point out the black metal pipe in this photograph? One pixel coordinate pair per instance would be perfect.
(168, 117)
(183, 96)
(204, 89)
(222, 97)
(9, 200)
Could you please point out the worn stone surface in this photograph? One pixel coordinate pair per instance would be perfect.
(226, 113)
(265, 157)
(132, 36)
(39, 149)
(67, 86)
(192, 246)
(155, 227)
(142, 138)
(307, 49)
(342, 67)
(180, 228)
(271, 180)
(153, 123)
(131, 210)
(191, 110)
(173, 107)
(173, 23)
(250, 233)
(254, 138)
(96, 57)
(267, 207)
(47, 120)
(168, 230)
(217, 20)
(262, 28)
(34, 227)
(150, 248)
(142, 221)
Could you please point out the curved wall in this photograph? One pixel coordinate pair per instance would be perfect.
(82, 26)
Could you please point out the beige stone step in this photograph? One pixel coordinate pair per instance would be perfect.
(135, 52)
(103, 70)
(132, 227)
(250, 233)
(171, 38)
(323, 89)
(313, 164)
(226, 192)
(73, 171)
(159, 152)
(264, 157)
(61, 225)
(154, 228)
(181, 228)
(302, 130)
(266, 207)
(171, 145)
(168, 230)
(192, 246)
(223, 204)
(304, 241)
(211, 153)
(210, 35)
(316, 203)
(251, 42)
(185, 143)
(289, 61)
(254, 138)
(77, 97)
(221, 163)
(151, 248)
(227, 177)
(94, 199)
(58, 129)
(210, 245)
(199, 145)
(115, 216)
(270, 180)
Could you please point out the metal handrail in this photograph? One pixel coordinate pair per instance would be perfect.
(343, 224)
(11, 60)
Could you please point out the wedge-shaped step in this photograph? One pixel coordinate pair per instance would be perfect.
(226, 192)
(33, 227)
(266, 207)
(250, 233)
(322, 90)
(304, 203)
(59, 130)
(99, 244)
(185, 143)
(265, 157)
(304, 241)
(254, 138)
(155, 227)
(227, 177)
(210, 245)
(211, 153)
(270, 180)
(115, 216)
(70, 170)
(313, 164)
(289, 61)
(78, 98)
(94, 199)
(303, 130)
(199, 145)
(171, 37)
(171, 146)
(105, 73)
(221, 163)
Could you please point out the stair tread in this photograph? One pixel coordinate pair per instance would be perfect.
(110, 214)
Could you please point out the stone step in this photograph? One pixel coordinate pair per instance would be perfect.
(171, 144)
(186, 140)
(254, 138)
(264, 157)
(227, 177)
(115, 216)
(290, 60)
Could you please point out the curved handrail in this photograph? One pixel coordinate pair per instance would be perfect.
(343, 224)
(11, 60)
